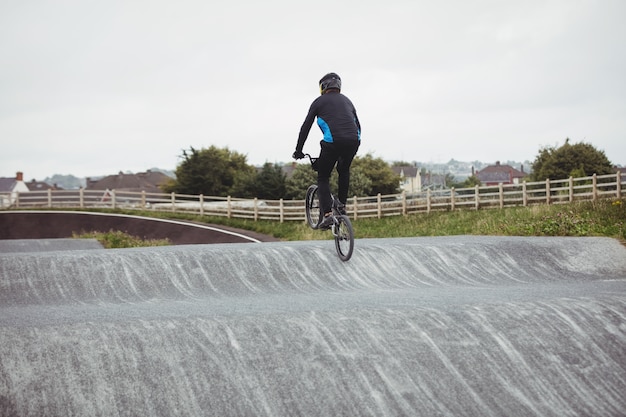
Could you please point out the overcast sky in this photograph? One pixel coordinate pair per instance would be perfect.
(95, 87)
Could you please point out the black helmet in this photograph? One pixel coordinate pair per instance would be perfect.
(330, 80)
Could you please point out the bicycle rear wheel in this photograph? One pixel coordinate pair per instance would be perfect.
(344, 237)
(312, 207)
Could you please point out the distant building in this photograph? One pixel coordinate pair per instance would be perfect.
(410, 179)
(149, 181)
(10, 188)
(496, 174)
(35, 185)
(413, 180)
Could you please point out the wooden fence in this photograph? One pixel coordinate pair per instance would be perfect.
(479, 197)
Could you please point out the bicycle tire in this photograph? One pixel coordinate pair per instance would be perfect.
(344, 237)
(312, 207)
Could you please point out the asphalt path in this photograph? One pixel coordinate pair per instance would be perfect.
(48, 224)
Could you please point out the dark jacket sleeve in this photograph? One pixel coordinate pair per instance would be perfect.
(306, 127)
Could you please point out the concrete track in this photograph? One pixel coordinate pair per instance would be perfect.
(47, 224)
(455, 326)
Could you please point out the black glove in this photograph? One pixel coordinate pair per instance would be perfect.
(298, 155)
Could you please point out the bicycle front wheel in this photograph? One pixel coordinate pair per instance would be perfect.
(344, 237)
(312, 207)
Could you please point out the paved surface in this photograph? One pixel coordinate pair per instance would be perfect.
(55, 224)
(456, 326)
(47, 245)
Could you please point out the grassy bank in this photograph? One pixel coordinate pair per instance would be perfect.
(606, 217)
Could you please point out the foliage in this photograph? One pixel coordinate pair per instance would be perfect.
(360, 182)
(245, 184)
(382, 178)
(301, 177)
(270, 182)
(211, 171)
(117, 239)
(471, 182)
(579, 159)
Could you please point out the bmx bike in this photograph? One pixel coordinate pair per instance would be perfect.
(341, 227)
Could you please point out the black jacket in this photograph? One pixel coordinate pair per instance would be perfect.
(336, 117)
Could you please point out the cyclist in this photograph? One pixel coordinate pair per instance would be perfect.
(336, 117)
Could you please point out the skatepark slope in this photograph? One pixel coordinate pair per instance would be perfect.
(449, 326)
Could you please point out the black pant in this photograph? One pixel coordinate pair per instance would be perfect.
(341, 154)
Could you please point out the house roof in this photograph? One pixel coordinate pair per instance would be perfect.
(499, 173)
(405, 170)
(7, 184)
(40, 186)
(143, 181)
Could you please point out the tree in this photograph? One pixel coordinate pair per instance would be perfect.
(245, 184)
(383, 179)
(212, 172)
(270, 182)
(471, 182)
(297, 184)
(569, 160)
(360, 183)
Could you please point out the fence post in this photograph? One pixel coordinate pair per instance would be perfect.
(356, 207)
(229, 212)
(404, 203)
(282, 213)
(81, 197)
(594, 181)
(452, 200)
(113, 200)
(379, 203)
(548, 191)
(524, 194)
(173, 199)
(476, 201)
(49, 198)
(619, 184)
(143, 199)
(428, 201)
(202, 204)
(501, 195)
(256, 209)
(571, 189)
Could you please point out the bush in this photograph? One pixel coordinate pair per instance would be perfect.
(114, 239)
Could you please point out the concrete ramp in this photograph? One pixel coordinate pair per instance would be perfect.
(47, 245)
(454, 326)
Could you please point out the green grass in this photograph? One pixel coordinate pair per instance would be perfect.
(600, 218)
(605, 217)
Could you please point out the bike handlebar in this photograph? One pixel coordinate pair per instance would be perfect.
(312, 160)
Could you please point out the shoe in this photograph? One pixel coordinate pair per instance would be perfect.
(341, 209)
(326, 223)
